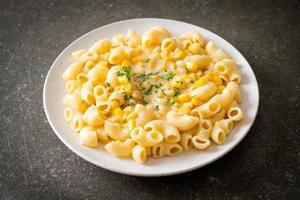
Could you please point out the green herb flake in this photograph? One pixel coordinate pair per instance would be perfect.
(127, 97)
(157, 85)
(143, 101)
(144, 76)
(147, 91)
(181, 82)
(108, 84)
(125, 72)
(171, 101)
(167, 76)
(157, 107)
(176, 92)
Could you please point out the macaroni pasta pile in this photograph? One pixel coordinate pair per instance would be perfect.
(152, 95)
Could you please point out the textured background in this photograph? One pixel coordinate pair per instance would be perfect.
(34, 163)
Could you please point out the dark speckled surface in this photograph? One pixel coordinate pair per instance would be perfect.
(35, 164)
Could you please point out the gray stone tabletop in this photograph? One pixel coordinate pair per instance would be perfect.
(35, 164)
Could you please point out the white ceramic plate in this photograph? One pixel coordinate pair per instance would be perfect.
(54, 92)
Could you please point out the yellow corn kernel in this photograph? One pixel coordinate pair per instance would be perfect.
(184, 98)
(155, 77)
(193, 76)
(151, 63)
(128, 109)
(163, 67)
(209, 76)
(136, 59)
(160, 94)
(128, 90)
(122, 79)
(196, 101)
(217, 80)
(185, 110)
(131, 124)
(126, 63)
(118, 112)
(221, 88)
(203, 80)
(191, 66)
(179, 55)
(114, 104)
(179, 84)
(195, 48)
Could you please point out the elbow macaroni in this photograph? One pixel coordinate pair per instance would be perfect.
(88, 136)
(182, 122)
(153, 94)
(170, 132)
(139, 154)
(146, 138)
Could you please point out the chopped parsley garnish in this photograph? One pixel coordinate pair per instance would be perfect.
(151, 88)
(144, 76)
(157, 85)
(163, 91)
(127, 97)
(125, 72)
(157, 107)
(143, 101)
(108, 84)
(147, 91)
(181, 82)
(167, 76)
(177, 92)
(171, 100)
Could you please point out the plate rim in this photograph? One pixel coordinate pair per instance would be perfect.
(157, 174)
